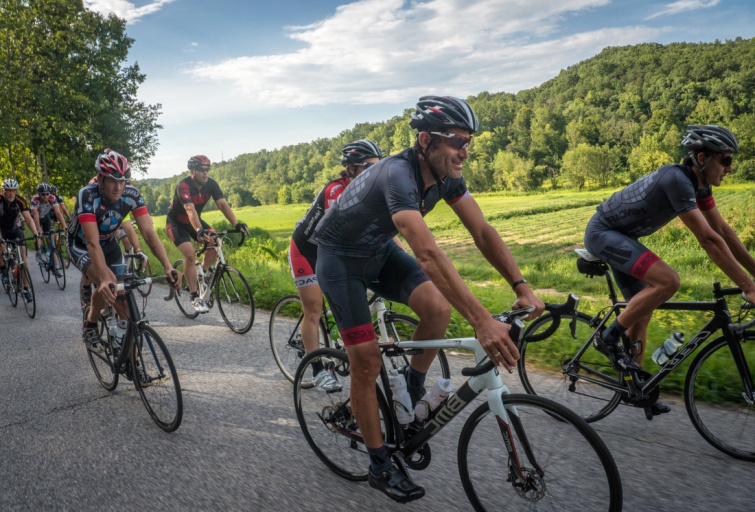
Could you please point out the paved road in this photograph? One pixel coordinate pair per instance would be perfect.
(67, 444)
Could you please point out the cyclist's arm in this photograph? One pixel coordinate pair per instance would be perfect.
(495, 250)
(35, 223)
(715, 246)
(32, 226)
(191, 212)
(224, 207)
(131, 235)
(737, 248)
(153, 241)
(59, 216)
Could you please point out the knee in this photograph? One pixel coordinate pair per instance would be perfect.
(670, 283)
(437, 311)
(367, 366)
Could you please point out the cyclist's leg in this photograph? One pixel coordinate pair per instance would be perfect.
(181, 237)
(210, 257)
(303, 263)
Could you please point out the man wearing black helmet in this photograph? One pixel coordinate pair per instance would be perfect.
(12, 208)
(642, 208)
(356, 251)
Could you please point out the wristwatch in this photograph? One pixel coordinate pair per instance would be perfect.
(521, 281)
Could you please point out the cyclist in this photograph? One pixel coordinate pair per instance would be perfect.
(356, 251)
(13, 207)
(61, 203)
(42, 206)
(302, 253)
(642, 208)
(99, 211)
(184, 223)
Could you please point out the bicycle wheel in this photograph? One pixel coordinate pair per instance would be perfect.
(401, 328)
(326, 418)
(285, 337)
(60, 279)
(103, 364)
(235, 300)
(546, 369)
(717, 402)
(14, 284)
(566, 464)
(44, 265)
(183, 298)
(31, 307)
(156, 379)
(143, 272)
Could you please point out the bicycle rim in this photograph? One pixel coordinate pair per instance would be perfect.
(31, 307)
(235, 300)
(13, 284)
(715, 403)
(327, 421)
(578, 471)
(156, 379)
(183, 298)
(102, 364)
(285, 337)
(60, 279)
(546, 368)
(44, 266)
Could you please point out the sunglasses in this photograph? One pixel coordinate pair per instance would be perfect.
(725, 160)
(455, 141)
(44, 194)
(203, 169)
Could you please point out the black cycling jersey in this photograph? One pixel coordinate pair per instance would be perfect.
(651, 202)
(187, 192)
(327, 197)
(360, 222)
(92, 206)
(10, 212)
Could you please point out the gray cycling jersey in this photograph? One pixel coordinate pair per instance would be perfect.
(651, 202)
(360, 222)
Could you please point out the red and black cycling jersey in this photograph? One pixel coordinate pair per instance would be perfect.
(44, 207)
(305, 227)
(92, 206)
(187, 192)
(10, 212)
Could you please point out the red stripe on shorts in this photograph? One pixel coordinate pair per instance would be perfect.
(359, 334)
(643, 264)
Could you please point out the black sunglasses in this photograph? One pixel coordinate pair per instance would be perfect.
(455, 141)
(725, 160)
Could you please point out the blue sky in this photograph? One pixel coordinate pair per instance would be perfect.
(237, 76)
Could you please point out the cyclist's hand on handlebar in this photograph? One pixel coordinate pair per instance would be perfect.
(106, 290)
(749, 297)
(242, 227)
(495, 340)
(174, 277)
(203, 235)
(529, 299)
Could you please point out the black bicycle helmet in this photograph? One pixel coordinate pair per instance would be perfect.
(359, 151)
(43, 188)
(709, 137)
(443, 112)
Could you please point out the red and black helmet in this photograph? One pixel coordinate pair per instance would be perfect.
(198, 162)
(113, 165)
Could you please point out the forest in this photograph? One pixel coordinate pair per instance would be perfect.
(600, 123)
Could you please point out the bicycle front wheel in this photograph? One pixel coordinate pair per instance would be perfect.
(401, 328)
(14, 284)
(285, 336)
(547, 369)
(235, 300)
(716, 399)
(326, 418)
(156, 379)
(565, 464)
(183, 296)
(44, 265)
(31, 307)
(59, 269)
(103, 364)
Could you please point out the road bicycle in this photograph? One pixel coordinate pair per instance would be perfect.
(61, 244)
(288, 348)
(18, 274)
(139, 355)
(51, 261)
(232, 292)
(518, 452)
(586, 381)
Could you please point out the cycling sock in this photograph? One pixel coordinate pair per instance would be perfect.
(415, 383)
(194, 295)
(88, 326)
(317, 367)
(613, 333)
(379, 460)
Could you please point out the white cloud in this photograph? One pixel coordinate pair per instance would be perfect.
(682, 6)
(125, 9)
(390, 51)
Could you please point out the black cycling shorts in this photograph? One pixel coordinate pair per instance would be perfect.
(180, 233)
(113, 257)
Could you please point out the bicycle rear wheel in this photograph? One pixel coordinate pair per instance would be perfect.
(156, 379)
(285, 337)
(716, 399)
(546, 368)
(326, 418)
(567, 466)
(31, 307)
(103, 364)
(183, 297)
(58, 268)
(235, 300)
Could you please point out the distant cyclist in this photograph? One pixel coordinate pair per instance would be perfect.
(184, 222)
(100, 210)
(61, 203)
(13, 207)
(302, 253)
(43, 206)
(642, 208)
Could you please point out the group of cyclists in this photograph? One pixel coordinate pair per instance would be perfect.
(347, 243)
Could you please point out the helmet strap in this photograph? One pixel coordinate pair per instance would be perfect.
(702, 169)
(429, 165)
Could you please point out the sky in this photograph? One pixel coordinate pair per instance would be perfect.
(239, 76)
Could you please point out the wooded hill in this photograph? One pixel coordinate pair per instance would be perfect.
(602, 122)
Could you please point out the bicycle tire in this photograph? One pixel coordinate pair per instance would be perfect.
(103, 364)
(327, 421)
(183, 297)
(727, 424)
(142, 272)
(235, 300)
(401, 328)
(44, 265)
(156, 379)
(578, 469)
(14, 284)
(31, 307)
(60, 280)
(542, 367)
(285, 336)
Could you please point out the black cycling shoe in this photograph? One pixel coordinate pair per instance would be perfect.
(616, 353)
(659, 408)
(396, 485)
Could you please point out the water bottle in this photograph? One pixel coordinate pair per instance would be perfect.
(112, 326)
(120, 332)
(334, 333)
(402, 402)
(209, 274)
(663, 353)
(200, 278)
(433, 398)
